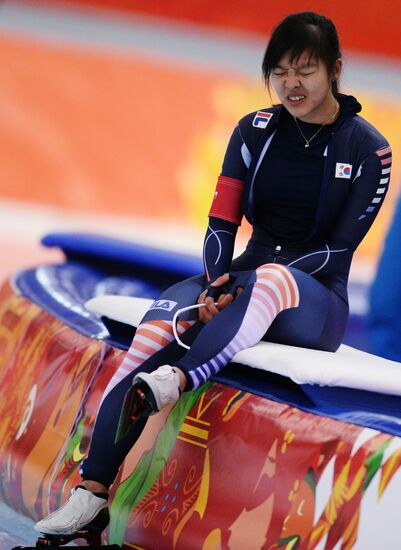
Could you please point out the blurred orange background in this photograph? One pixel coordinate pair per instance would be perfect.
(101, 130)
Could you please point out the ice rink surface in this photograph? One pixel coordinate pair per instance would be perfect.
(15, 530)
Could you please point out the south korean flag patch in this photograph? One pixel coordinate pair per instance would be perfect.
(343, 170)
(261, 119)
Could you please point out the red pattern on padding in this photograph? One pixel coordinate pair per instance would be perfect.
(227, 202)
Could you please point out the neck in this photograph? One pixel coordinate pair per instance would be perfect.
(326, 114)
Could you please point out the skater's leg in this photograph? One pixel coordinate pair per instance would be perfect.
(318, 322)
(269, 290)
(153, 345)
(279, 304)
(105, 456)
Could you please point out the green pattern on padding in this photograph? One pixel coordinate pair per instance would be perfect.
(75, 440)
(373, 463)
(293, 540)
(311, 479)
(132, 490)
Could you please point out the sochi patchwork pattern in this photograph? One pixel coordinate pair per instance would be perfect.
(223, 469)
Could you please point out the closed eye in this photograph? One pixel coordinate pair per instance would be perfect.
(299, 73)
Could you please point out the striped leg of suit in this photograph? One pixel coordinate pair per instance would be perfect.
(153, 345)
(242, 324)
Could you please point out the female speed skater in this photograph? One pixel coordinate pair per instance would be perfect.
(310, 175)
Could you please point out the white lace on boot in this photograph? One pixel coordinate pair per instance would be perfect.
(164, 383)
(80, 509)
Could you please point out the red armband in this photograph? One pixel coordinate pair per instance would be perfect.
(227, 202)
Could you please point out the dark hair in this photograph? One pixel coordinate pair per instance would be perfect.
(303, 32)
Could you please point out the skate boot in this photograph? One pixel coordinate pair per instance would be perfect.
(149, 393)
(84, 515)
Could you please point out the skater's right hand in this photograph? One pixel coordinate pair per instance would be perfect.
(213, 306)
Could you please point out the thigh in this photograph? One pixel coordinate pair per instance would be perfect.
(318, 322)
(180, 295)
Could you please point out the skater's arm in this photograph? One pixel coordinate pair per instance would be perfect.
(226, 210)
(224, 218)
(365, 199)
(218, 247)
(218, 250)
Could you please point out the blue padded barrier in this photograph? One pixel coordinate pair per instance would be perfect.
(102, 265)
(104, 250)
(63, 290)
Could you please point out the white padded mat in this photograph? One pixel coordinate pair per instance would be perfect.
(347, 367)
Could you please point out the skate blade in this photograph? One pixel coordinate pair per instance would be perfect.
(60, 546)
(91, 534)
(135, 406)
(55, 542)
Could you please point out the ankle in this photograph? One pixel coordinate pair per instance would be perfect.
(94, 486)
(182, 377)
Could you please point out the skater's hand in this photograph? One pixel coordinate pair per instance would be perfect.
(213, 306)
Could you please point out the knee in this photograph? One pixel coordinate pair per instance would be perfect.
(272, 268)
(278, 278)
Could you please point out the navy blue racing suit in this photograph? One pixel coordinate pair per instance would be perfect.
(309, 207)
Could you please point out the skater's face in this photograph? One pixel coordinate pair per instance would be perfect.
(304, 87)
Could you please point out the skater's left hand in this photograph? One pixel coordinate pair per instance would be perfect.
(213, 306)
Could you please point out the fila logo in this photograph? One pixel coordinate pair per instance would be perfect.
(261, 119)
(167, 305)
(343, 170)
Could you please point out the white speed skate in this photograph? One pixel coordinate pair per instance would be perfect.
(83, 513)
(164, 384)
(149, 393)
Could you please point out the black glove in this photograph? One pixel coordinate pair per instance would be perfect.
(215, 292)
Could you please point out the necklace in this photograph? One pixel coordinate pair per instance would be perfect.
(307, 141)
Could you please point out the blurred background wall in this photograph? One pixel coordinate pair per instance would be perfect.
(115, 115)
